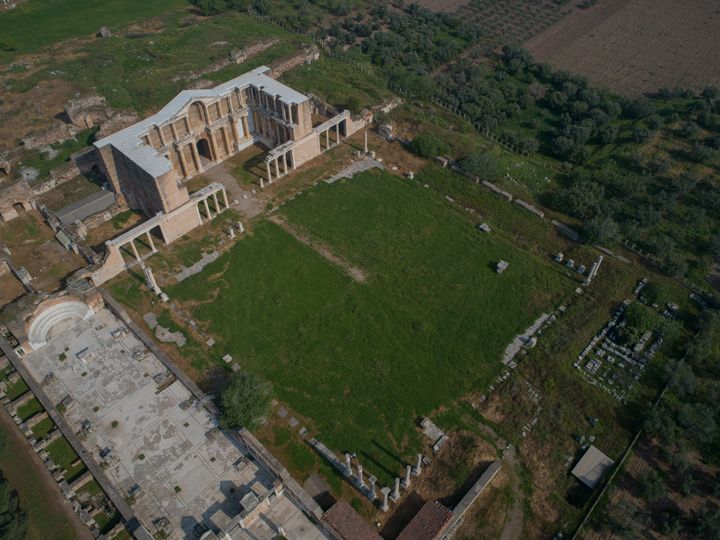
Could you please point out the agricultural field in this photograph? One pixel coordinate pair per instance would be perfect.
(638, 46)
(511, 22)
(363, 359)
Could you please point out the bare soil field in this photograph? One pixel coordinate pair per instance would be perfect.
(448, 6)
(636, 46)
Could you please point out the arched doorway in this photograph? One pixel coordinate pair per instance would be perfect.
(203, 148)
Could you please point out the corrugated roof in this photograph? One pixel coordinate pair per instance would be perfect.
(92, 204)
(428, 524)
(348, 524)
(592, 467)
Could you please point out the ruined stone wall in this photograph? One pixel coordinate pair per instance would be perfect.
(308, 55)
(137, 186)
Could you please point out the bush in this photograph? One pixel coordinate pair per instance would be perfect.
(483, 165)
(245, 402)
(428, 145)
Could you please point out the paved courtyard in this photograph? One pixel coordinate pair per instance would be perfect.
(157, 444)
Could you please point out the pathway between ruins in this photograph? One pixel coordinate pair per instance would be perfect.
(353, 271)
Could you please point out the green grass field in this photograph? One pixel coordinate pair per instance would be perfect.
(365, 360)
(38, 23)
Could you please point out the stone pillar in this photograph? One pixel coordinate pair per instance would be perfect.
(160, 135)
(348, 465)
(418, 465)
(228, 146)
(235, 131)
(135, 251)
(337, 133)
(292, 156)
(199, 215)
(213, 146)
(269, 174)
(152, 284)
(361, 482)
(384, 506)
(366, 148)
(241, 227)
(150, 241)
(285, 162)
(327, 139)
(277, 169)
(396, 491)
(207, 209)
(224, 194)
(262, 184)
(196, 157)
(406, 480)
(372, 495)
(173, 130)
(217, 204)
(246, 129)
(183, 162)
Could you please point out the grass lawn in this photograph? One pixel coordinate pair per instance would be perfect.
(64, 456)
(36, 24)
(16, 390)
(29, 409)
(339, 83)
(366, 359)
(42, 428)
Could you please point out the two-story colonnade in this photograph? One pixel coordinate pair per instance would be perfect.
(148, 163)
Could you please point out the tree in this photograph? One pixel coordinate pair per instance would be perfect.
(429, 145)
(245, 402)
(484, 165)
(602, 229)
(653, 486)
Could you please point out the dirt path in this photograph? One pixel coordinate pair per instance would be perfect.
(19, 449)
(514, 522)
(353, 271)
(513, 527)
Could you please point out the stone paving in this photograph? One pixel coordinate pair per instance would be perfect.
(154, 440)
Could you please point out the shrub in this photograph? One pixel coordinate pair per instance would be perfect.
(245, 402)
(429, 145)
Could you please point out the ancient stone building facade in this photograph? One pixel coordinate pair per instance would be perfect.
(148, 163)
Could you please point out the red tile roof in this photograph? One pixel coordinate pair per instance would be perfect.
(348, 523)
(428, 523)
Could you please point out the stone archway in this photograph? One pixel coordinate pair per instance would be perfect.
(203, 148)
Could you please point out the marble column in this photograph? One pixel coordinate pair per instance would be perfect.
(384, 506)
(406, 480)
(285, 163)
(150, 241)
(135, 251)
(224, 194)
(348, 465)
(217, 204)
(269, 174)
(196, 157)
(361, 482)
(396, 491)
(418, 465)
(277, 169)
(207, 209)
(246, 129)
(372, 495)
(183, 162)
